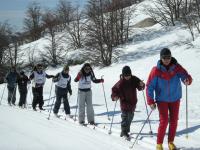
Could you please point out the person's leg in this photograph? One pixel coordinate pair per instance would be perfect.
(20, 98)
(57, 103)
(163, 116)
(130, 118)
(40, 98)
(10, 91)
(81, 106)
(35, 97)
(66, 104)
(14, 96)
(173, 120)
(90, 110)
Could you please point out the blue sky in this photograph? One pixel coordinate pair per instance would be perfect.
(13, 11)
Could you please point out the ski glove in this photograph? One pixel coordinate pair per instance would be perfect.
(187, 81)
(102, 81)
(153, 106)
(115, 98)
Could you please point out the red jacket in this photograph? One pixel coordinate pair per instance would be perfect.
(125, 90)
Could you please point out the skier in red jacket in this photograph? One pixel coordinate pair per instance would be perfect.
(125, 90)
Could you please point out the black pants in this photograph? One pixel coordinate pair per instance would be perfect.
(61, 94)
(127, 118)
(37, 97)
(22, 99)
(11, 95)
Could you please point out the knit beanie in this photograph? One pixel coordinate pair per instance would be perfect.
(165, 52)
(126, 71)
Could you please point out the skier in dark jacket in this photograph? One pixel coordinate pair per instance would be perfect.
(62, 87)
(165, 82)
(22, 81)
(85, 76)
(39, 77)
(125, 90)
(11, 79)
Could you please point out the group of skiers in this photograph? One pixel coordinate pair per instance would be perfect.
(163, 90)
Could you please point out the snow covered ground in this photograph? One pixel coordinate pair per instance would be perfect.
(22, 129)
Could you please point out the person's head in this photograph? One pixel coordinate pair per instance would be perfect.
(165, 56)
(126, 72)
(86, 68)
(39, 67)
(66, 69)
(21, 73)
(12, 69)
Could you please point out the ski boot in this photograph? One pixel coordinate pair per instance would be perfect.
(159, 147)
(172, 146)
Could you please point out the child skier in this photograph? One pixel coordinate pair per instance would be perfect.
(22, 81)
(85, 76)
(125, 90)
(39, 77)
(62, 87)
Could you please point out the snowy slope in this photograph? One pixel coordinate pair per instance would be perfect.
(33, 130)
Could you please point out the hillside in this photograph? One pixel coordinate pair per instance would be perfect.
(141, 54)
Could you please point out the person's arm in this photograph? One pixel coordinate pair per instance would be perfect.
(79, 75)
(116, 92)
(183, 74)
(49, 76)
(56, 78)
(93, 78)
(31, 76)
(151, 86)
(140, 84)
(69, 86)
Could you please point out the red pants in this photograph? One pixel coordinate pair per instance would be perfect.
(165, 117)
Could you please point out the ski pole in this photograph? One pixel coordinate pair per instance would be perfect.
(50, 93)
(141, 129)
(109, 132)
(2, 93)
(186, 92)
(105, 98)
(51, 109)
(150, 132)
(76, 108)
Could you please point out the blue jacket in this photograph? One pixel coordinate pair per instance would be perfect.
(166, 83)
(11, 79)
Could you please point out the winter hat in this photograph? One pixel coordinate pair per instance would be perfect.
(126, 71)
(165, 52)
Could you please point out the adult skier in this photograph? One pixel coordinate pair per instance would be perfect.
(62, 87)
(84, 77)
(165, 80)
(11, 79)
(125, 91)
(39, 77)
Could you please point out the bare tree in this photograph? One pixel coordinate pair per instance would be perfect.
(5, 32)
(65, 11)
(55, 52)
(107, 27)
(32, 22)
(75, 28)
(166, 12)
